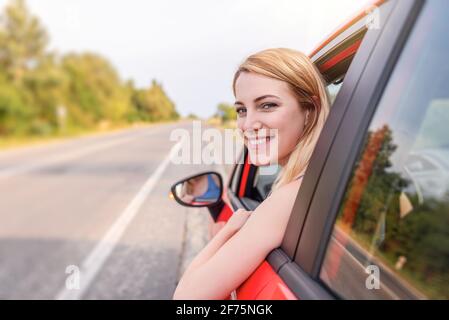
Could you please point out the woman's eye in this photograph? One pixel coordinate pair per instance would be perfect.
(241, 112)
(267, 106)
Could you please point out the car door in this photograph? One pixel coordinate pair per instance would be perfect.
(356, 63)
(376, 224)
(380, 212)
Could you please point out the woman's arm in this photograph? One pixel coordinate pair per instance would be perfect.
(232, 256)
(236, 221)
(215, 227)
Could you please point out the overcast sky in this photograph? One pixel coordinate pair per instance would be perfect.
(193, 47)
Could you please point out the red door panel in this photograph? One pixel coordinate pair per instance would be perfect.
(264, 284)
(244, 178)
(225, 213)
(276, 290)
(255, 283)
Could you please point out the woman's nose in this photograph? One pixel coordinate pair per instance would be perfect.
(252, 122)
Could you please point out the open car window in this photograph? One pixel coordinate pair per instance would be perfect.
(264, 179)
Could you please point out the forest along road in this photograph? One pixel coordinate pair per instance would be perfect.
(90, 218)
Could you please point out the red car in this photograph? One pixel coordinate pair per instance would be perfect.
(371, 219)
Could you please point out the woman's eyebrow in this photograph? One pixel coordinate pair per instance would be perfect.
(265, 96)
(258, 99)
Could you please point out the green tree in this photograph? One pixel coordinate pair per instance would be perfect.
(35, 84)
(46, 88)
(14, 116)
(22, 46)
(153, 104)
(22, 40)
(226, 112)
(95, 91)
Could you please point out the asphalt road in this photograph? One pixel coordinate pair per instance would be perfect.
(98, 205)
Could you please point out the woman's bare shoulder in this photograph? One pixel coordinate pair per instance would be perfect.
(284, 196)
(287, 188)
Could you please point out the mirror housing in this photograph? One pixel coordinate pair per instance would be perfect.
(201, 190)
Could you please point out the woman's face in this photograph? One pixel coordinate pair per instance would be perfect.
(266, 103)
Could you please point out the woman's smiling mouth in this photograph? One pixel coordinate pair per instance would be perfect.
(258, 142)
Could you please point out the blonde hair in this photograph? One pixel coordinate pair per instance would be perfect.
(299, 72)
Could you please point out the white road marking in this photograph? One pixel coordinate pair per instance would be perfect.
(95, 260)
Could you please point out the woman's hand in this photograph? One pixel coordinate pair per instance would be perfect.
(238, 219)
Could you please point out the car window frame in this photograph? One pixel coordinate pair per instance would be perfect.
(355, 104)
(327, 138)
(391, 109)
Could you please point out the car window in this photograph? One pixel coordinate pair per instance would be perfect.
(391, 236)
(264, 179)
(333, 89)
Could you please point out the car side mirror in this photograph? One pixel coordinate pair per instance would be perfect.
(201, 190)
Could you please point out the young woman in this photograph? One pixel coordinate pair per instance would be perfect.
(274, 89)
